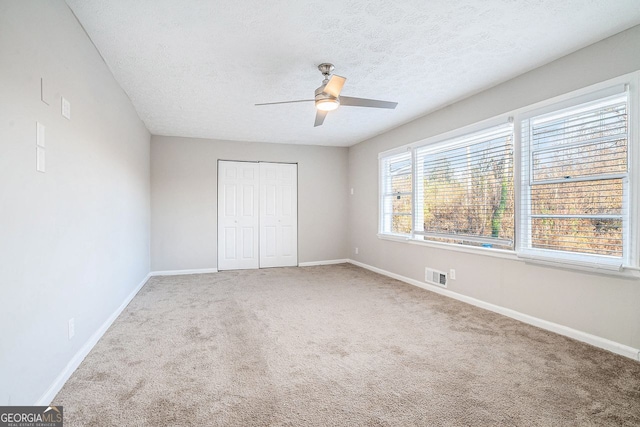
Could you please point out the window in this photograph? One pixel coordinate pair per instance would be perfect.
(397, 193)
(575, 187)
(464, 189)
(556, 183)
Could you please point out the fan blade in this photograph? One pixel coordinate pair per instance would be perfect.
(334, 86)
(286, 102)
(320, 115)
(363, 102)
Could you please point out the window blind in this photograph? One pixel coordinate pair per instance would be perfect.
(464, 189)
(397, 193)
(575, 187)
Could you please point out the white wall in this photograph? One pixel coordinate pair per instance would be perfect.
(603, 306)
(74, 241)
(184, 188)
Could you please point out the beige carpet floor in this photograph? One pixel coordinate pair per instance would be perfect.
(332, 346)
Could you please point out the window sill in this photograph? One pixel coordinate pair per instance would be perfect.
(496, 253)
(626, 272)
(605, 269)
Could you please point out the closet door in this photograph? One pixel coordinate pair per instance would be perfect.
(278, 215)
(238, 219)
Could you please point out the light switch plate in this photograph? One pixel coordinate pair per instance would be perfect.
(66, 109)
(40, 159)
(40, 135)
(43, 96)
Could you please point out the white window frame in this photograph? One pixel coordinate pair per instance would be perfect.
(524, 248)
(439, 143)
(631, 264)
(445, 146)
(382, 158)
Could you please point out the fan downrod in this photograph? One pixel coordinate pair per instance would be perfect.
(326, 69)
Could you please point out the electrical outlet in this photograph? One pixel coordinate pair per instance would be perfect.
(357, 251)
(66, 109)
(72, 327)
(452, 274)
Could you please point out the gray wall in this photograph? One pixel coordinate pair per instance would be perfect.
(184, 188)
(601, 305)
(74, 241)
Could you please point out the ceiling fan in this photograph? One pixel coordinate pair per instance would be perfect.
(327, 96)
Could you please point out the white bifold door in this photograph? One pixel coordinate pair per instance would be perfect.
(238, 198)
(257, 215)
(278, 215)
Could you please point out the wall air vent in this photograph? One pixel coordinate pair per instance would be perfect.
(435, 277)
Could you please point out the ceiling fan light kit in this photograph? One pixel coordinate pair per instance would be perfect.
(327, 96)
(327, 104)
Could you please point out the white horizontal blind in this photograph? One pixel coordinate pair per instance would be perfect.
(465, 189)
(396, 177)
(575, 181)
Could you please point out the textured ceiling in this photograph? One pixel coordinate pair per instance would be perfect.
(196, 67)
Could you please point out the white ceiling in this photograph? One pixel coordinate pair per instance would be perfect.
(196, 67)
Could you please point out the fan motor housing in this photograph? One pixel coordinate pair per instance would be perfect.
(320, 94)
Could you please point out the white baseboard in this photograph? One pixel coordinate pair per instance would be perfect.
(615, 347)
(181, 272)
(215, 270)
(75, 361)
(326, 262)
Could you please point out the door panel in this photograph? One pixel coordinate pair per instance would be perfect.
(230, 200)
(278, 215)
(230, 243)
(248, 207)
(286, 241)
(238, 216)
(269, 238)
(287, 205)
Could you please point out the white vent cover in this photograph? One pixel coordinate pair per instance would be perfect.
(435, 277)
